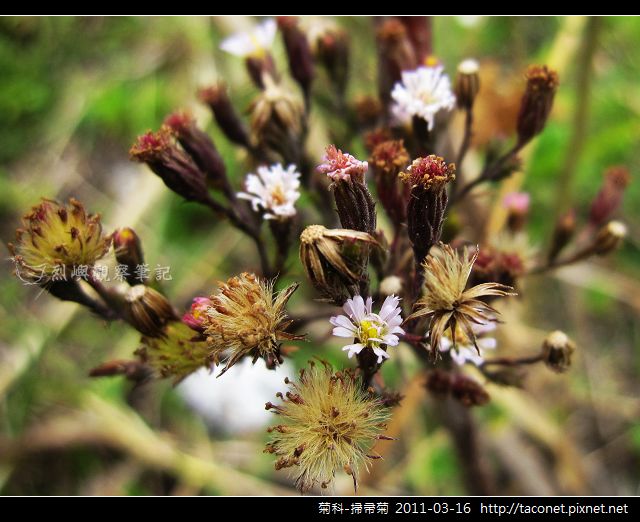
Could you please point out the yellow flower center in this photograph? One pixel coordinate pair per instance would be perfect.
(369, 329)
(278, 195)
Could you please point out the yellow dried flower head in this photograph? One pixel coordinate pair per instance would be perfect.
(57, 237)
(177, 354)
(329, 424)
(247, 318)
(446, 302)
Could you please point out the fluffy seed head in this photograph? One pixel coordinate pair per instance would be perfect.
(329, 424)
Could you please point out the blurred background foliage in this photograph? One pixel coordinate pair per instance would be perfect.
(74, 93)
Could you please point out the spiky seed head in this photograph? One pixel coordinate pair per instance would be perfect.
(328, 424)
(57, 236)
(246, 318)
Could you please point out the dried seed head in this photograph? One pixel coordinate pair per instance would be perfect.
(329, 259)
(246, 318)
(446, 302)
(148, 311)
(176, 354)
(537, 102)
(55, 239)
(329, 424)
(556, 351)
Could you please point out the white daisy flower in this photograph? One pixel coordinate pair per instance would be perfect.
(273, 189)
(422, 92)
(254, 42)
(369, 330)
(464, 350)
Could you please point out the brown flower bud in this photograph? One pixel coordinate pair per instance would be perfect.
(178, 171)
(148, 311)
(610, 195)
(332, 50)
(468, 391)
(419, 32)
(355, 206)
(609, 237)
(467, 84)
(387, 161)
(562, 234)
(556, 351)
(536, 102)
(427, 178)
(201, 148)
(368, 110)
(128, 251)
(226, 117)
(298, 53)
(395, 54)
(517, 205)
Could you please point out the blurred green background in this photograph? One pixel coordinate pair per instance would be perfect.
(74, 94)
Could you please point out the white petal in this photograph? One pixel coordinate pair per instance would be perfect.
(358, 308)
(381, 354)
(369, 305)
(341, 331)
(353, 349)
(390, 340)
(341, 320)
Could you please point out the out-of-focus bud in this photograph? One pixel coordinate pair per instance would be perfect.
(298, 53)
(194, 317)
(536, 102)
(562, 234)
(332, 50)
(427, 178)
(174, 166)
(277, 122)
(467, 83)
(395, 54)
(376, 137)
(387, 160)
(128, 251)
(331, 260)
(610, 195)
(419, 32)
(439, 383)
(368, 110)
(556, 351)
(261, 69)
(468, 391)
(217, 98)
(517, 205)
(148, 311)
(201, 148)
(391, 285)
(495, 266)
(609, 237)
(355, 206)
